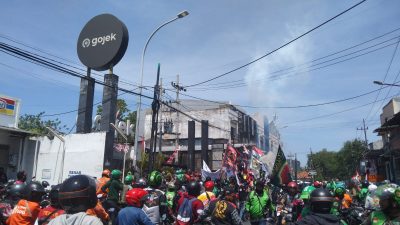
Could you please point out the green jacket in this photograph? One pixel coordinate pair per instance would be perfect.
(258, 206)
(114, 188)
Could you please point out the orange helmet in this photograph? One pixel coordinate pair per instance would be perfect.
(106, 173)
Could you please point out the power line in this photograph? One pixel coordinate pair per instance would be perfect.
(384, 78)
(289, 73)
(318, 59)
(50, 65)
(275, 50)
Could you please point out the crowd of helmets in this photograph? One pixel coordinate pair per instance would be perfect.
(184, 197)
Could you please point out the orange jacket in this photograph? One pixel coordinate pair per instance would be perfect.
(346, 201)
(24, 213)
(45, 212)
(98, 211)
(101, 182)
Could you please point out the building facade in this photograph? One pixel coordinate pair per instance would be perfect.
(227, 124)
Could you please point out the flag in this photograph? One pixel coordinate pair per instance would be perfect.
(245, 151)
(258, 151)
(172, 156)
(230, 158)
(205, 167)
(281, 171)
(121, 147)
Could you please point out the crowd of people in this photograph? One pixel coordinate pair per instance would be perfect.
(185, 197)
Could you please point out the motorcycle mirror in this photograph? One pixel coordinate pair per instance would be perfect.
(45, 184)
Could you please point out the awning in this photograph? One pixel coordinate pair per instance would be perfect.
(15, 131)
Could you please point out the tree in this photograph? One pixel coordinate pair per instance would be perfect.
(37, 125)
(341, 164)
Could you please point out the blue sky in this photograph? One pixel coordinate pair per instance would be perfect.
(217, 37)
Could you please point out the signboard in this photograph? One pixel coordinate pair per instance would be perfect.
(9, 111)
(102, 42)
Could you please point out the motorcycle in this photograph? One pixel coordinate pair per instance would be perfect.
(353, 216)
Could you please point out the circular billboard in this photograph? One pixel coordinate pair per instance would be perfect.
(102, 42)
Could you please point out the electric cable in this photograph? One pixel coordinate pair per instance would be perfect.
(275, 50)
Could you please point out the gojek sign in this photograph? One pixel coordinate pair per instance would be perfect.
(102, 42)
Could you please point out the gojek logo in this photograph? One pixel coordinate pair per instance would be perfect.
(98, 40)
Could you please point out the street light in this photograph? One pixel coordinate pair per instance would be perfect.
(180, 15)
(126, 143)
(386, 84)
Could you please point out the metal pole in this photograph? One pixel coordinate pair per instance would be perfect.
(295, 167)
(177, 119)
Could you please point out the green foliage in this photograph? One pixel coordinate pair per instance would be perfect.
(37, 125)
(337, 164)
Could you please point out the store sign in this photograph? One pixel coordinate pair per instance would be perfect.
(7, 106)
(102, 42)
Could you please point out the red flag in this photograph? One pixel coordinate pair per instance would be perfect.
(172, 156)
(258, 151)
(230, 157)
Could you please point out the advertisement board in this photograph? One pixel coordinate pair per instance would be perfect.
(9, 111)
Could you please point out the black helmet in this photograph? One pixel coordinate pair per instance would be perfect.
(321, 200)
(16, 191)
(34, 191)
(365, 184)
(54, 200)
(142, 183)
(78, 194)
(194, 188)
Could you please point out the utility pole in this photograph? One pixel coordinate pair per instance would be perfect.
(295, 167)
(160, 117)
(365, 133)
(290, 157)
(178, 89)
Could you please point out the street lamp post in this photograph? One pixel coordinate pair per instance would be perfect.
(126, 144)
(180, 15)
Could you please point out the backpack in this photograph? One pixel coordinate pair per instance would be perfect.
(185, 213)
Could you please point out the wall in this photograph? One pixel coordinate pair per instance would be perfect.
(84, 154)
(390, 109)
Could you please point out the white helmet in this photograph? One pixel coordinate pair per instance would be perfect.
(372, 187)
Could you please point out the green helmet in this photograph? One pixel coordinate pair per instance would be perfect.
(155, 179)
(116, 174)
(305, 194)
(339, 191)
(397, 196)
(128, 178)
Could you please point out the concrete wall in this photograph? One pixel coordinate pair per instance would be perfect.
(390, 109)
(84, 154)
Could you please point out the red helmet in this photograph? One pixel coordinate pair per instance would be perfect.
(106, 173)
(317, 184)
(292, 184)
(209, 185)
(134, 197)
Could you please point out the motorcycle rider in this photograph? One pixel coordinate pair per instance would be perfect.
(27, 209)
(371, 201)
(305, 197)
(105, 177)
(362, 194)
(77, 194)
(259, 204)
(320, 203)
(155, 204)
(207, 196)
(389, 212)
(343, 200)
(21, 177)
(133, 213)
(193, 190)
(127, 186)
(53, 210)
(115, 186)
(223, 210)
